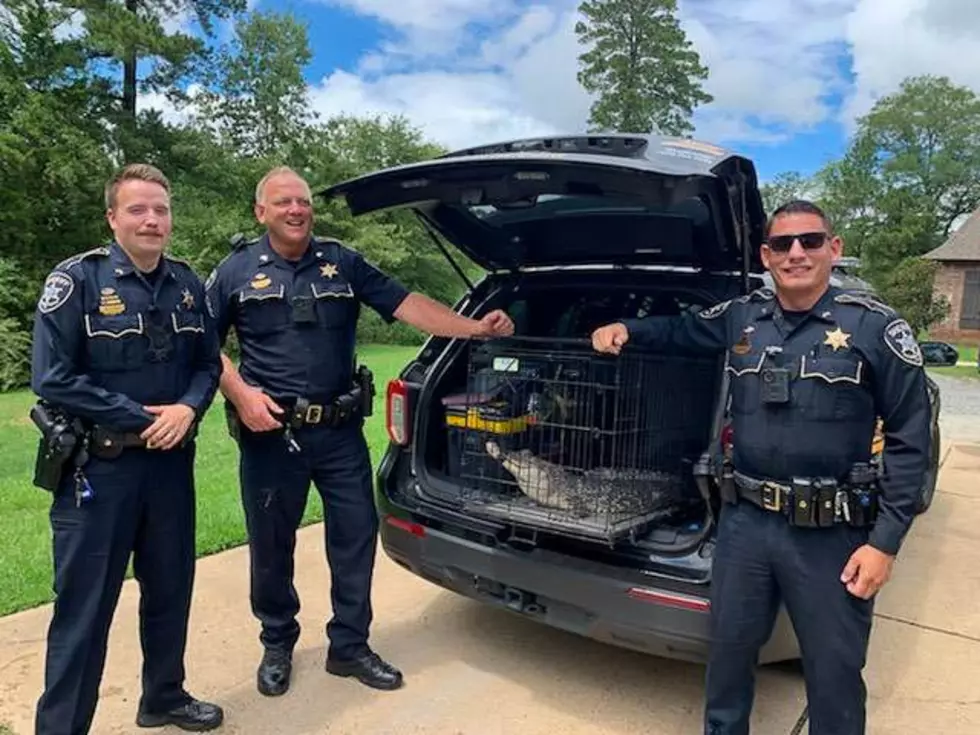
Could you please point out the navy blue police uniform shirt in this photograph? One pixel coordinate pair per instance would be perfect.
(109, 340)
(293, 351)
(850, 358)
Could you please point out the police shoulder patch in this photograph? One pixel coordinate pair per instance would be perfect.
(900, 338)
(58, 288)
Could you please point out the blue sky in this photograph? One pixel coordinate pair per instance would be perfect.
(789, 77)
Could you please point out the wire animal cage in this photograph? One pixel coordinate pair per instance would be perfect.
(555, 436)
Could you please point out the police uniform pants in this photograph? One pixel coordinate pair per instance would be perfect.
(144, 506)
(275, 486)
(760, 559)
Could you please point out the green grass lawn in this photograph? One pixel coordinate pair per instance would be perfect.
(25, 542)
(968, 353)
(960, 371)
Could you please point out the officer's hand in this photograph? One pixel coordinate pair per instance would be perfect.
(867, 571)
(170, 426)
(257, 410)
(494, 324)
(610, 338)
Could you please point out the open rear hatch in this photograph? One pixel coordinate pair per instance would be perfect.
(562, 439)
(581, 201)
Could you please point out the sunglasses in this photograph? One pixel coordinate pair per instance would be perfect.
(809, 241)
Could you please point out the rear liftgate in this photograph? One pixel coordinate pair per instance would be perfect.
(553, 436)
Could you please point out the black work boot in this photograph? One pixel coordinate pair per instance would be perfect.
(195, 716)
(368, 668)
(274, 672)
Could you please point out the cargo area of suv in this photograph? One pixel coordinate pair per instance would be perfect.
(532, 472)
(541, 432)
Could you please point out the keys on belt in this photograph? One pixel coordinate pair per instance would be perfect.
(304, 413)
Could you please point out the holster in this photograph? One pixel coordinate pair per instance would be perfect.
(726, 484)
(61, 440)
(364, 382)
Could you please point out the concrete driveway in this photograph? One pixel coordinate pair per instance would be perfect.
(477, 671)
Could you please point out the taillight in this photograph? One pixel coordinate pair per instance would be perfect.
(669, 599)
(416, 529)
(397, 420)
(727, 434)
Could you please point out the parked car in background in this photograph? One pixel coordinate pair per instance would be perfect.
(939, 354)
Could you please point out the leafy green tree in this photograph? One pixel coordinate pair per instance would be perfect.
(53, 146)
(911, 171)
(784, 187)
(645, 71)
(131, 31)
(908, 289)
(257, 96)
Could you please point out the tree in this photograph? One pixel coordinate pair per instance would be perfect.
(784, 187)
(910, 173)
(257, 96)
(132, 33)
(641, 65)
(908, 289)
(53, 143)
(64, 129)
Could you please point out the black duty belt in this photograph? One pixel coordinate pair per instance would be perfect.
(108, 444)
(811, 503)
(302, 412)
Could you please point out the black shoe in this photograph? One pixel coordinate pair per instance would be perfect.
(368, 668)
(196, 716)
(274, 671)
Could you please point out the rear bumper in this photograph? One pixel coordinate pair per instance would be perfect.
(560, 592)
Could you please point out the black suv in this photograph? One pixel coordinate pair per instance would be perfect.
(574, 233)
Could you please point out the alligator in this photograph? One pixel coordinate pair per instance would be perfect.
(600, 491)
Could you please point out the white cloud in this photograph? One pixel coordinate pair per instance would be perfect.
(455, 109)
(72, 28)
(772, 64)
(468, 72)
(168, 112)
(431, 29)
(523, 75)
(893, 39)
(518, 82)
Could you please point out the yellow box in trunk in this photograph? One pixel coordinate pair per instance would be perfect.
(485, 418)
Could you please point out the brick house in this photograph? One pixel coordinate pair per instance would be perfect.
(958, 279)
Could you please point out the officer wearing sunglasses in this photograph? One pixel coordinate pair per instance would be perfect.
(807, 519)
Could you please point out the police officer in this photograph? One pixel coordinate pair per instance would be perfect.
(294, 302)
(124, 351)
(812, 366)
